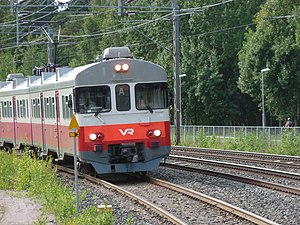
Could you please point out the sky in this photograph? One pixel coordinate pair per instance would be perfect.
(62, 1)
(64, 5)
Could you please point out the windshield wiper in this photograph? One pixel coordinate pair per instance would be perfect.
(99, 110)
(98, 116)
(149, 108)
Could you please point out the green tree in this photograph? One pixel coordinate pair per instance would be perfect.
(211, 39)
(275, 44)
(7, 64)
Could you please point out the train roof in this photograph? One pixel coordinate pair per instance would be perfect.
(101, 72)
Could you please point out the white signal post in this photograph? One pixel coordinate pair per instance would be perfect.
(74, 127)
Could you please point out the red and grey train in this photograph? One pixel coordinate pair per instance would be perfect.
(120, 104)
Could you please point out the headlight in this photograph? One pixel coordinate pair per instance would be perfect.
(93, 137)
(118, 67)
(125, 67)
(157, 133)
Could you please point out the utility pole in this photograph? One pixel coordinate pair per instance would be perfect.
(17, 23)
(176, 52)
(11, 6)
(120, 7)
(49, 36)
(50, 46)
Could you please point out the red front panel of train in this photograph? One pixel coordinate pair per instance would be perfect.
(123, 133)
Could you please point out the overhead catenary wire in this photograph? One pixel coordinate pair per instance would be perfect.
(182, 13)
(94, 34)
(117, 31)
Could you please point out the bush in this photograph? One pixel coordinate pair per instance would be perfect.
(40, 180)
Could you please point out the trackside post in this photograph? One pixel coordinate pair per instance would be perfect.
(74, 127)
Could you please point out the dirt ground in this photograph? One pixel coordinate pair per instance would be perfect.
(17, 209)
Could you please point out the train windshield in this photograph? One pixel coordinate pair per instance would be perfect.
(92, 99)
(149, 96)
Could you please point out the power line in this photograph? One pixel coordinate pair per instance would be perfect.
(95, 35)
(117, 31)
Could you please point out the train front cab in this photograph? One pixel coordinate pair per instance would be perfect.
(130, 134)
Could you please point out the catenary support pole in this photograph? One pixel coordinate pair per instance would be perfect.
(176, 54)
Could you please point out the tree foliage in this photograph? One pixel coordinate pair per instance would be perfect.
(224, 46)
(273, 44)
(212, 38)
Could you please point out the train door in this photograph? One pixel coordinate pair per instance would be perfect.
(14, 116)
(42, 108)
(58, 127)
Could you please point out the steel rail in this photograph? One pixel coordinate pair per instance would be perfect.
(171, 218)
(261, 183)
(249, 216)
(185, 191)
(240, 153)
(270, 172)
(280, 162)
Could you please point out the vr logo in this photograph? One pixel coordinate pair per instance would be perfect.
(127, 131)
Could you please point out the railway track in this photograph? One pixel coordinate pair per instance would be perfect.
(187, 196)
(238, 156)
(247, 180)
(192, 164)
(260, 170)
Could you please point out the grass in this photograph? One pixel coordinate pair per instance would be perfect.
(287, 143)
(40, 181)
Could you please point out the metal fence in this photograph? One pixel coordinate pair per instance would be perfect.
(189, 134)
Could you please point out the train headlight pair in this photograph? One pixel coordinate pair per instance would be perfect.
(121, 67)
(153, 133)
(94, 136)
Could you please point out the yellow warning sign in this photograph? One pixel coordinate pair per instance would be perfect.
(74, 134)
(73, 123)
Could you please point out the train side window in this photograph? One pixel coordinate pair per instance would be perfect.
(19, 104)
(47, 107)
(10, 109)
(26, 109)
(35, 108)
(32, 107)
(69, 109)
(3, 109)
(21, 108)
(63, 102)
(123, 97)
(67, 112)
(6, 109)
(1, 103)
(52, 108)
(38, 108)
